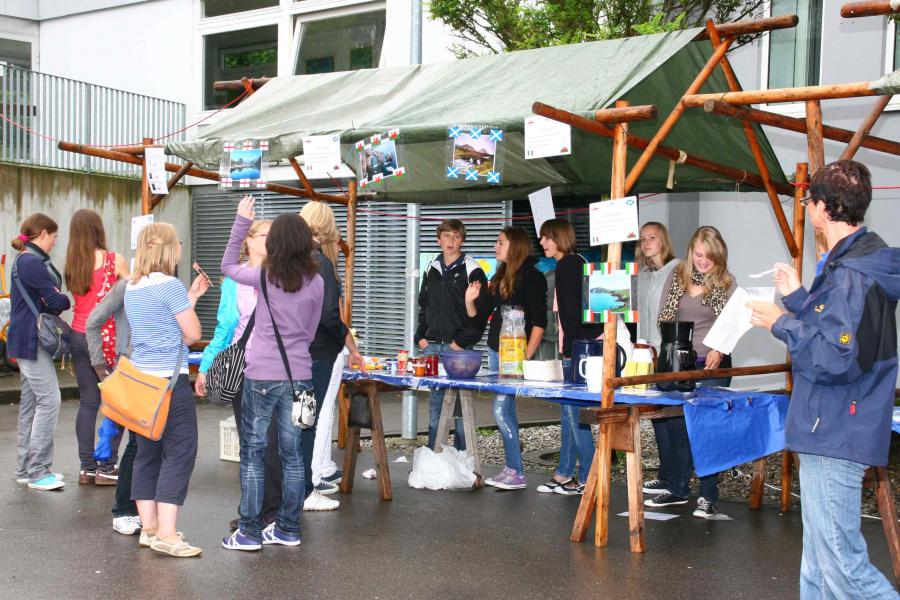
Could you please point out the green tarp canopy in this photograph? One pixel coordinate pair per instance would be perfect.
(423, 101)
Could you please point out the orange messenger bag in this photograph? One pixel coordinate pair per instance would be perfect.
(138, 401)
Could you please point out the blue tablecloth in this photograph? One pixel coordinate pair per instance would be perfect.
(726, 427)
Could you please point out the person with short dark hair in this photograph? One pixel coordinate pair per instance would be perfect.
(443, 323)
(842, 338)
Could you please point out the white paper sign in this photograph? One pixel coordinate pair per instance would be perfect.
(138, 223)
(541, 208)
(614, 221)
(156, 170)
(546, 137)
(322, 154)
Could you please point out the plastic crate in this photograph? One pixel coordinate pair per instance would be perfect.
(229, 445)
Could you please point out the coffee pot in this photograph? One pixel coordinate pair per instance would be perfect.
(676, 353)
(582, 349)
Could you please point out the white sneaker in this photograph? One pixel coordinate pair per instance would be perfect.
(127, 525)
(316, 501)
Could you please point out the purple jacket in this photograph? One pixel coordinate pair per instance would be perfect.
(297, 315)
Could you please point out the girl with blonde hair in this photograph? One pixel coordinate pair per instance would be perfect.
(163, 323)
(696, 290)
(332, 341)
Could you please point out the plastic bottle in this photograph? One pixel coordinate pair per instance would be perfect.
(512, 342)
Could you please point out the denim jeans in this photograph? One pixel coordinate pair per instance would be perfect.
(38, 414)
(576, 439)
(835, 561)
(507, 421)
(262, 399)
(436, 403)
(272, 493)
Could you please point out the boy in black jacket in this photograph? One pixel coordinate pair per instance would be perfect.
(443, 323)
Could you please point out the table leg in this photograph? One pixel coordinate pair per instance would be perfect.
(635, 483)
(343, 412)
(604, 473)
(381, 460)
(757, 483)
(350, 451)
(788, 460)
(588, 502)
(888, 511)
(447, 409)
(468, 414)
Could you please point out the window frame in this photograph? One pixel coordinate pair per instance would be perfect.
(347, 8)
(789, 109)
(29, 39)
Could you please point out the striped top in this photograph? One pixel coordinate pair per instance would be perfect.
(151, 305)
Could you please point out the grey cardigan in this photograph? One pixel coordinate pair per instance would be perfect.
(651, 287)
(112, 305)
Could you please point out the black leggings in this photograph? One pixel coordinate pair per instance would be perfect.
(88, 405)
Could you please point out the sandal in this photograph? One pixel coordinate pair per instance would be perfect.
(180, 549)
(147, 537)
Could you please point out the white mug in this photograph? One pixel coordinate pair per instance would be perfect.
(591, 368)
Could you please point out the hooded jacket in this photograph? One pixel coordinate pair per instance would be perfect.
(842, 338)
(442, 303)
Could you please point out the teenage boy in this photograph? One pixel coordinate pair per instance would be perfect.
(444, 325)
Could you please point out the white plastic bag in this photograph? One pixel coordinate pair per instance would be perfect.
(450, 469)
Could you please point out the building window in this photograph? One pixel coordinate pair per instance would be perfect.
(896, 63)
(14, 52)
(236, 54)
(217, 8)
(794, 54)
(340, 44)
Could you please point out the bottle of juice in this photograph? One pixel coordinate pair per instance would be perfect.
(512, 342)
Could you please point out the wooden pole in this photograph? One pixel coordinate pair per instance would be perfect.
(238, 84)
(349, 267)
(815, 141)
(626, 114)
(771, 119)
(157, 198)
(193, 171)
(145, 184)
(675, 115)
(797, 94)
(869, 8)
(755, 149)
(863, 132)
(750, 27)
(303, 179)
(592, 126)
(617, 382)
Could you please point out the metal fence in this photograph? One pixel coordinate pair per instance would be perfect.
(56, 108)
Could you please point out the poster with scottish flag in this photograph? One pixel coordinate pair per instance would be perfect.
(473, 154)
(243, 165)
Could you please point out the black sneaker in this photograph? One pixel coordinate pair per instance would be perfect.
(570, 488)
(334, 478)
(656, 486)
(705, 509)
(665, 500)
(551, 486)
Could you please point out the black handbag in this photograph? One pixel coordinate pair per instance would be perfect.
(303, 414)
(225, 376)
(359, 414)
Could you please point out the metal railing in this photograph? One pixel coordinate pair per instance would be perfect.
(57, 108)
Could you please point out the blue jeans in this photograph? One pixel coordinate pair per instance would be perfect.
(261, 399)
(835, 561)
(576, 439)
(507, 421)
(436, 403)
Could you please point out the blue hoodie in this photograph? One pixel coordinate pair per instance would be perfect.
(842, 338)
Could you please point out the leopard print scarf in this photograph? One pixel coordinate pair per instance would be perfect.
(714, 298)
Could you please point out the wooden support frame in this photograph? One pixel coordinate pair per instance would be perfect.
(863, 132)
(867, 8)
(626, 114)
(634, 141)
(799, 125)
(157, 198)
(755, 149)
(304, 181)
(798, 94)
(815, 139)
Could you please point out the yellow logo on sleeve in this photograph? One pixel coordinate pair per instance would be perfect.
(820, 308)
(845, 338)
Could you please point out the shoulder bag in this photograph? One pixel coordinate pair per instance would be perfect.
(304, 410)
(54, 334)
(225, 376)
(139, 401)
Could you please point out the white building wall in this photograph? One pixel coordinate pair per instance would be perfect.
(144, 48)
